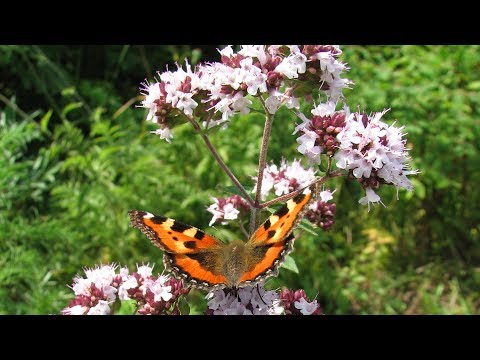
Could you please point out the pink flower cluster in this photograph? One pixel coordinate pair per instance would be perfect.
(298, 303)
(321, 212)
(285, 179)
(281, 179)
(219, 90)
(319, 134)
(255, 300)
(372, 151)
(248, 300)
(96, 293)
(227, 208)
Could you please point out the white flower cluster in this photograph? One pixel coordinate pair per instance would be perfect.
(285, 179)
(96, 293)
(375, 153)
(227, 208)
(227, 88)
(249, 300)
(318, 133)
(145, 282)
(298, 303)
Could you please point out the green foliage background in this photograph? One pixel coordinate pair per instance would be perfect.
(76, 155)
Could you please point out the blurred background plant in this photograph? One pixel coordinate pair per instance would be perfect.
(77, 155)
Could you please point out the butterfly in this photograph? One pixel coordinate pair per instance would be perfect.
(207, 263)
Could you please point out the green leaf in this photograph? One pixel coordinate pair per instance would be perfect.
(290, 264)
(474, 86)
(70, 107)
(183, 306)
(44, 120)
(69, 91)
(308, 227)
(126, 307)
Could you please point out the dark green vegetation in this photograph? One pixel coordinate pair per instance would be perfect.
(77, 155)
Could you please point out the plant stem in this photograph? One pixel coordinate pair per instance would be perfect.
(14, 106)
(261, 166)
(329, 166)
(221, 162)
(244, 231)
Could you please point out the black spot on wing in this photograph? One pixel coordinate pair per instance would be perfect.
(271, 234)
(158, 219)
(205, 260)
(180, 227)
(174, 238)
(258, 253)
(298, 199)
(282, 211)
(200, 257)
(267, 224)
(190, 244)
(199, 235)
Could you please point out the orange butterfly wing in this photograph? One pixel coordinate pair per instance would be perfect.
(273, 240)
(188, 252)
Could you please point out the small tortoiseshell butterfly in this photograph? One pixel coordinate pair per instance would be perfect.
(206, 263)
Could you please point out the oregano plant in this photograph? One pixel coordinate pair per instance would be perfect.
(333, 141)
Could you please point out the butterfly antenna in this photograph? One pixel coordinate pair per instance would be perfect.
(258, 291)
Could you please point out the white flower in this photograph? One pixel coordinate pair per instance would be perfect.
(305, 307)
(217, 299)
(230, 213)
(145, 271)
(130, 283)
(236, 309)
(302, 176)
(277, 98)
(336, 86)
(308, 148)
(184, 102)
(102, 308)
(75, 310)
(371, 197)
(292, 65)
(225, 211)
(326, 195)
(101, 277)
(124, 273)
(252, 76)
(152, 93)
(226, 51)
(159, 290)
(324, 109)
(372, 150)
(287, 178)
(164, 133)
(272, 103)
(257, 51)
(240, 103)
(249, 300)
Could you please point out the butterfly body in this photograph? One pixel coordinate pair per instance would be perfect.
(206, 263)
